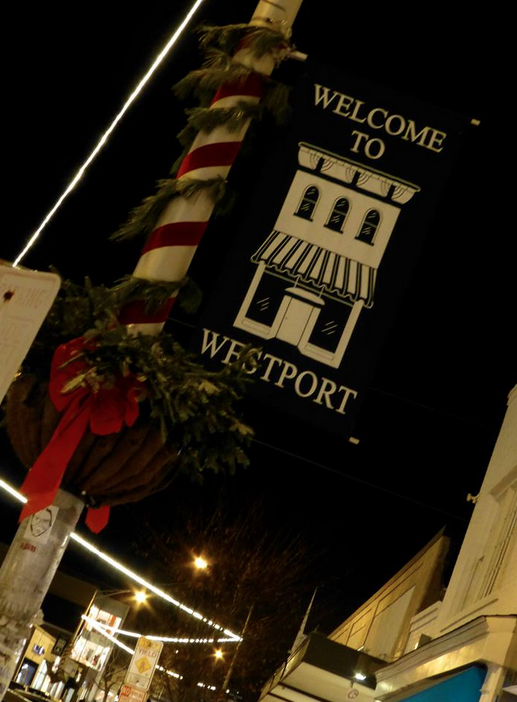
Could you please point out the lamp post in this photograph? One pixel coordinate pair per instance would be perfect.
(36, 552)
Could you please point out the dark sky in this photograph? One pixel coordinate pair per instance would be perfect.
(438, 394)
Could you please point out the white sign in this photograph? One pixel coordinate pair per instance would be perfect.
(131, 694)
(25, 298)
(141, 669)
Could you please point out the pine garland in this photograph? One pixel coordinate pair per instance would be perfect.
(156, 293)
(217, 69)
(260, 40)
(218, 43)
(203, 119)
(142, 220)
(195, 408)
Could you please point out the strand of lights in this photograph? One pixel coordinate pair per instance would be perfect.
(131, 574)
(17, 496)
(165, 639)
(169, 672)
(102, 630)
(149, 586)
(98, 627)
(110, 129)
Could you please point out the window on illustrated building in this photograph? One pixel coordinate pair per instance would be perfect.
(308, 203)
(336, 221)
(369, 227)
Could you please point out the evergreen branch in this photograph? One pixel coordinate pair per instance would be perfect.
(260, 40)
(196, 408)
(142, 219)
(186, 138)
(204, 82)
(156, 293)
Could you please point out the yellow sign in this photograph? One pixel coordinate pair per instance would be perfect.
(141, 669)
(143, 665)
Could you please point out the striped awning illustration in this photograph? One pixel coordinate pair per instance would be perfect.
(323, 270)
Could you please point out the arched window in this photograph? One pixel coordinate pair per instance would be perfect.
(369, 227)
(336, 221)
(308, 203)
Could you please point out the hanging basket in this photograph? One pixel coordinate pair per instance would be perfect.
(104, 470)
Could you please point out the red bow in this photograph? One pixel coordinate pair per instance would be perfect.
(104, 409)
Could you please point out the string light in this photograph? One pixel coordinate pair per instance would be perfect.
(165, 639)
(149, 586)
(102, 629)
(110, 129)
(98, 627)
(116, 565)
(5, 486)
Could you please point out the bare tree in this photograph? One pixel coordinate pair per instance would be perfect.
(112, 675)
(254, 575)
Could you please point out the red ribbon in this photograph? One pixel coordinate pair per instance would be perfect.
(105, 411)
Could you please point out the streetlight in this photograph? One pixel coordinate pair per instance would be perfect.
(200, 563)
(139, 595)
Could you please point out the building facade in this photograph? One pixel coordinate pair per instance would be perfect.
(425, 643)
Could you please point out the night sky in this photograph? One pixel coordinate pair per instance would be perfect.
(438, 394)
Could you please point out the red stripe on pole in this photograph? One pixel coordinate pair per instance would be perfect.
(134, 313)
(250, 86)
(221, 154)
(175, 234)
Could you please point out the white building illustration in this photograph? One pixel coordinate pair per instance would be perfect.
(326, 247)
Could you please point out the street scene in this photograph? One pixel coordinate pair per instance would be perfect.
(258, 393)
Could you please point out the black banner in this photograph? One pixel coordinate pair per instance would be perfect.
(323, 245)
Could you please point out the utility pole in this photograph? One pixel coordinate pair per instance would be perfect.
(222, 694)
(40, 542)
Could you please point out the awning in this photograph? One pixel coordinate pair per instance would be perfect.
(324, 271)
(321, 670)
(460, 687)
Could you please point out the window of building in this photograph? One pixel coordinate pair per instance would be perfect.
(27, 671)
(308, 203)
(369, 227)
(336, 221)
(503, 542)
(497, 561)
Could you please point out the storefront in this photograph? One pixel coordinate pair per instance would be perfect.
(37, 661)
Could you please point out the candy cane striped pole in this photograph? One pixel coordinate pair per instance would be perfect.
(169, 250)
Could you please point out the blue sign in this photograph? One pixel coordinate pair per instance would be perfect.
(463, 687)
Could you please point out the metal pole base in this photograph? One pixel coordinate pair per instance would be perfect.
(26, 574)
